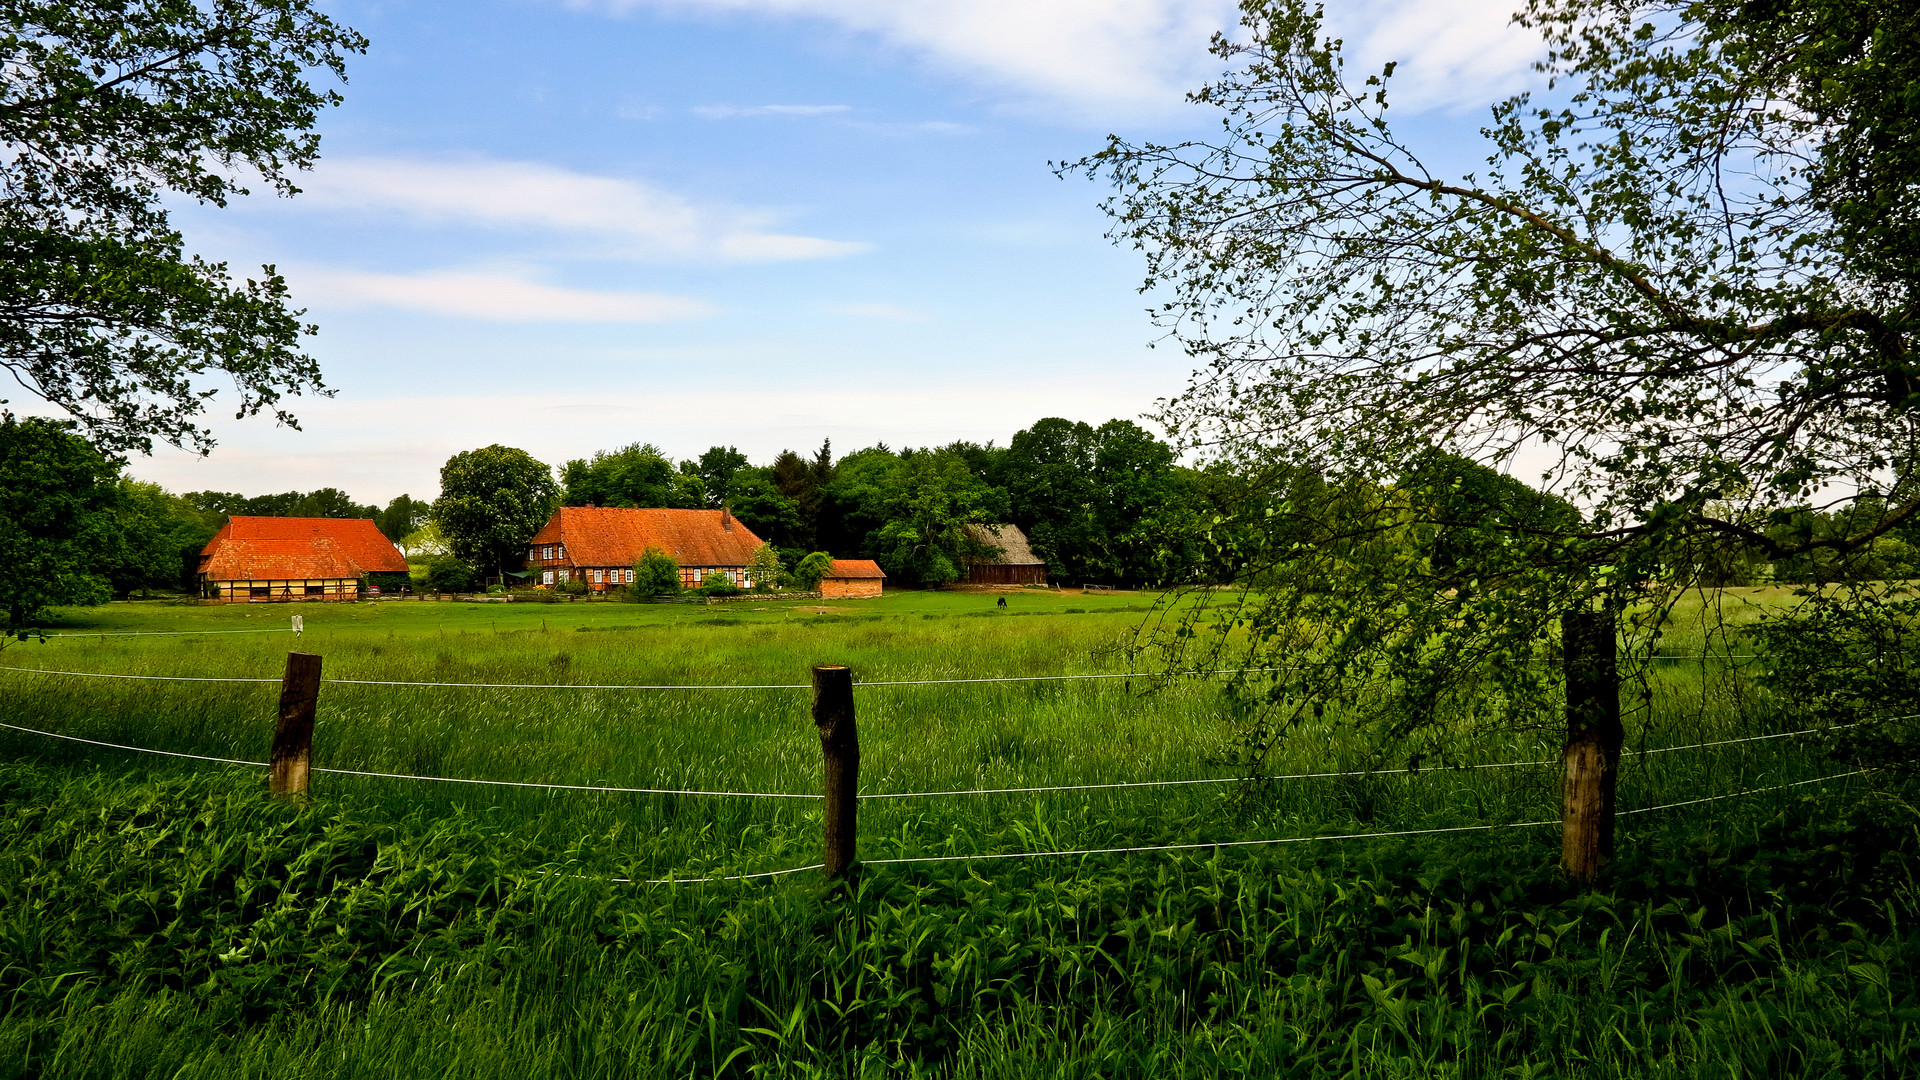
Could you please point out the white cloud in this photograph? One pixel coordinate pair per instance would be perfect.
(491, 296)
(883, 312)
(728, 112)
(635, 218)
(377, 448)
(1451, 54)
(1107, 57)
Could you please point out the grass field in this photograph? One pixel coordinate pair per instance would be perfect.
(160, 917)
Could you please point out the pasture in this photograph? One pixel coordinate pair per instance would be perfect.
(160, 917)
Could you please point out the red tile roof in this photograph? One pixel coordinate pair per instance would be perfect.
(618, 536)
(856, 568)
(266, 548)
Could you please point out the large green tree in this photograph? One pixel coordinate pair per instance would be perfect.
(58, 496)
(635, 475)
(1680, 291)
(492, 501)
(106, 109)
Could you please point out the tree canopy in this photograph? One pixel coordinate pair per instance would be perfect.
(104, 110)
(57, 500)
(1679, 290)
(492, 501)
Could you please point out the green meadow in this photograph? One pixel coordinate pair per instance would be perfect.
(161, 917)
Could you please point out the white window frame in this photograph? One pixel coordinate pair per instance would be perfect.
(546, 577)
(599, 577)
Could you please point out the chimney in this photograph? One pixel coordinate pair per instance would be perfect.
(726, 518)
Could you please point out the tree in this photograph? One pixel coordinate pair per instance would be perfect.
(1643, 281)
(158, 538)
(715, 471)
(492, 501)
(805, 481)
(1667, 285)
(656, 574)
(332, 503)
(105, 109)
(812, 570)
(1097, 504)
(934, 499)
(764, 569)
(402, 517)
(57, 500)
(635, 475)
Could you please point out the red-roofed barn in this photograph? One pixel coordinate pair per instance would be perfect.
(852, 579)
(269, 558)
(600, 545)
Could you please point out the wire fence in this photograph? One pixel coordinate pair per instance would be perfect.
(928, 859)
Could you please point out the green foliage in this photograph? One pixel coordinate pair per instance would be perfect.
(717, 583)
(1849, 659)
(765, 570)
(109, 109)
(656, 574)
(715, 471)
(934, 497)
(812, 569)
(182, 926)
(160, 538)
(448, 574)
(1097, 504)
(635, 475)
(402, 517)
(58, 498)
(492, 501)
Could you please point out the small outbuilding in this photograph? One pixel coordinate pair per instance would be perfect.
(851, 579)
(1015, 563)
(265, 559)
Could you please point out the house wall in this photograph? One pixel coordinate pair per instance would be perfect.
(280, 591)
(849, 588)
(1003, 574)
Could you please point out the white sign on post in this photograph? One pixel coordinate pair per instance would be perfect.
(298, 626)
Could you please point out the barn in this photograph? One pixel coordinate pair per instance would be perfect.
(1016, 564)
(600, 545)
(264, 559)
(852, 579)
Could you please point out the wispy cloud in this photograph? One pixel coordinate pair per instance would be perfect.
(1107, 57)
(728, 112)
(884, 312)
(628, 216)
(497, 297)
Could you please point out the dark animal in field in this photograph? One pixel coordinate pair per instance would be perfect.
(1003, 601)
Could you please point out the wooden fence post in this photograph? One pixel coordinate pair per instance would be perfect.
(292, 758)
(1594, 738)
(840, 746)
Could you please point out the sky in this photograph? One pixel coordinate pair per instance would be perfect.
(571, 225)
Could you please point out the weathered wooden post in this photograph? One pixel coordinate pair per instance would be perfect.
(840, 746)
(292, 758)
(1594, 737)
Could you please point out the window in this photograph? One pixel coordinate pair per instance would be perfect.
(547, 552)
(546, 577)
(629, 577)
(316, 590)
(260, 590)
(560, 550)
(565, 576)
(598, 579)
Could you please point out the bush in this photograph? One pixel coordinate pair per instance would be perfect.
(812, 570)
(534, 596)
(719, 583)
(656, 574)
(448, 574)
(575, 586)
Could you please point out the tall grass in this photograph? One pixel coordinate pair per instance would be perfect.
(164, 919)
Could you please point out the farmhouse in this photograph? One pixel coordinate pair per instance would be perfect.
(1016, 563)
(600, 545)
(852, 579)
(256, 559)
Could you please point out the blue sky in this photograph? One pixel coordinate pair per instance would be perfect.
(571, 226)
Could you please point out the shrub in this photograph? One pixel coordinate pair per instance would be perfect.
(534, 596)
(656, 574)
(719, 583)
(574, 586)
(448, 574)
(812, 570)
